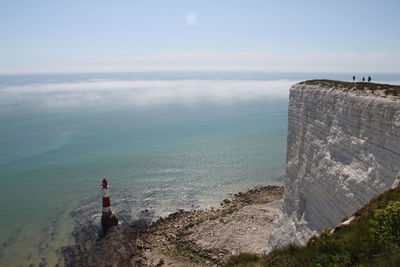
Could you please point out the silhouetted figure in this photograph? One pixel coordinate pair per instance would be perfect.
(363, 79)
(354, 78)
(369, 79)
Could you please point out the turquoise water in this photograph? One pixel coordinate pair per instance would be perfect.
(164, 141)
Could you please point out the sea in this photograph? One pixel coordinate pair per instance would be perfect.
(165, 141)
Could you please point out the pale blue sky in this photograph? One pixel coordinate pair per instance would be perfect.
(74, 36)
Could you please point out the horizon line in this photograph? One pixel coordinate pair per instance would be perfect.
(193, 71)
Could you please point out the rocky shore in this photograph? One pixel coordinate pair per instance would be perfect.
(186, 238)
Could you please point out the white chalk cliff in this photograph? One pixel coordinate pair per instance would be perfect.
(343, 150)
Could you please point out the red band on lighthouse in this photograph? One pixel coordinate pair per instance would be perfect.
(106, 202)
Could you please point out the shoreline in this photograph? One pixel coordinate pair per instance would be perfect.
(205, 237)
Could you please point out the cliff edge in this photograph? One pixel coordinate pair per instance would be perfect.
(343, 150)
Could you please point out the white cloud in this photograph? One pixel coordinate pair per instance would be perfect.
(258, 57)
(191, 18)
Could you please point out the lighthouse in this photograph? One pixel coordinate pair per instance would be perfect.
(108, 219)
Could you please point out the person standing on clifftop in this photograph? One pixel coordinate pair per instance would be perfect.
(363, 79)
(354, 78)
(369, 79)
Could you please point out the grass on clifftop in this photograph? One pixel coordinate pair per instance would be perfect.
(388, 89)
(371, 239)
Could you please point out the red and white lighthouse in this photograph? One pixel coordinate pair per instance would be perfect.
(106, 198)
(107, 217)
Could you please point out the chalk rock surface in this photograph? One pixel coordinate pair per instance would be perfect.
(343, 150)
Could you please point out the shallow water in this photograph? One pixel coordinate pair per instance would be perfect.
(164, 141)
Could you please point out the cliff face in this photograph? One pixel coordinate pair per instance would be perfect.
(343, 149)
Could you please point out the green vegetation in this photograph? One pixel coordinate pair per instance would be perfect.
(385, 225)
(387, 89)
(371, 239)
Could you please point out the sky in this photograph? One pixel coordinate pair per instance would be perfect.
(208, 35)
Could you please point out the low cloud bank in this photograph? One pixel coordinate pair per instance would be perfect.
(115, 93)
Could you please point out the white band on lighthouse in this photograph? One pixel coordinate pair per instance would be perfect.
(105, 192)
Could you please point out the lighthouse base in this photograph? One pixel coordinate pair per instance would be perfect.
(108, 220)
